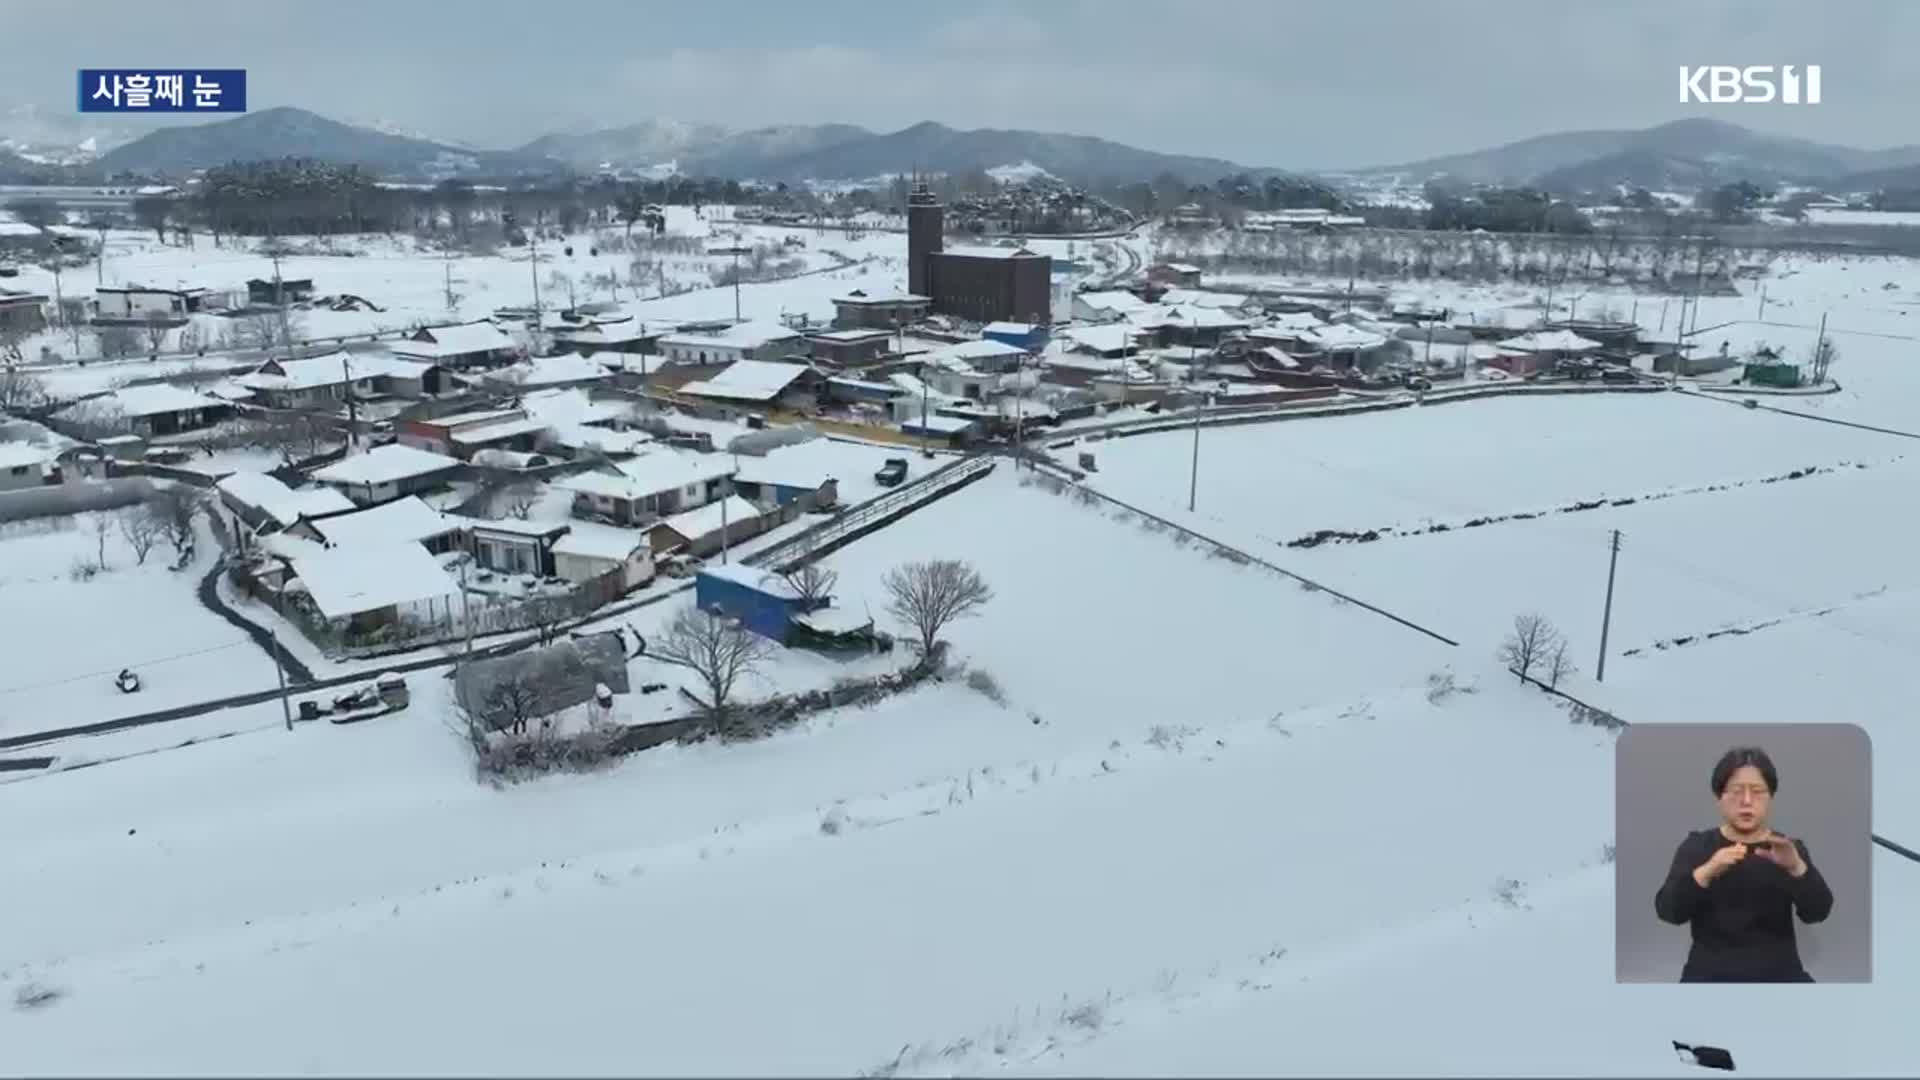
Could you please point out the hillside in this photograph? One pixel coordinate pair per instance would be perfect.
(282, 132)
(1681, 153)
(938, 148)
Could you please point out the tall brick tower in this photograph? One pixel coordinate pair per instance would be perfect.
(926, 225)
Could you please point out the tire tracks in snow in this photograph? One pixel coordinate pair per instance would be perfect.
(1047, 1031)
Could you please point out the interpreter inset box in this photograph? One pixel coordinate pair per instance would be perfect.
(1743, 853)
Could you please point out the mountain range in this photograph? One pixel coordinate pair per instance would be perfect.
(1683, 155)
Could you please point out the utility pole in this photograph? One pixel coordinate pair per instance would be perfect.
(353, 414)
(1606, 618)
(1820, 352)
(533, 271)
(1193, 480)
(280, 301)
(280, 671)
(1762, 313)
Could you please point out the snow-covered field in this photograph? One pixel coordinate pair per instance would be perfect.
(1216, 824)
(67, 637)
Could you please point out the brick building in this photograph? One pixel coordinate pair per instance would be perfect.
(981, 284)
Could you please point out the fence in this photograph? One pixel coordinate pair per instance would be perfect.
(61, 500)
(845, 528)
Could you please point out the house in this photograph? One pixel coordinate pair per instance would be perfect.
(1109, 340)
(1343, 346)
(860, 391)
(740, 341)
(789, 474)
(550, 373)
(760, 382)
(589, 334)
(24, 465)
(1027, 337)
(138, 305)
(321, 382)
(1550, 343)
(513, 546)
(707, 529)
(388, 472)
(762, 601)
(1239, 304)
(262, 501)
(22, 312)
(1105, 306)
(461, 435)
(361, 589)
(850, 348)
(461, 345)
(952, 431)
(407, 520)
(1182, 274)
(568, 673)
(275, 293)
(858, 310)
(590, 550)
(151, 410)
(1515, 362)
(649, 487)
(1193, 324)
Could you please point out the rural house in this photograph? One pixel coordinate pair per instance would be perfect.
(408, 521)
(644, 489)
(285, 291)
(857, 310)
(388, 472)
(710, 528)
(152, 410)
(760, 382)
(22, 312)
(461, 435)
(24, 465)
(463, 345)
(258, 500)
(135, 305)
(740, 341)
(591, 550)
(513, 546)
(850, 348)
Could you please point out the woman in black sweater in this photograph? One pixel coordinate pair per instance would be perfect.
(1739, 885)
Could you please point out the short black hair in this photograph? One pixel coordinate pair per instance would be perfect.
(1738, 758)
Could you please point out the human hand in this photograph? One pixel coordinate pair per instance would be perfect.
(1722, 860)
(1782, 852)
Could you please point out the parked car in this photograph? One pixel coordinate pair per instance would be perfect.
(679, 566)
(1619, 375)
(892, 473)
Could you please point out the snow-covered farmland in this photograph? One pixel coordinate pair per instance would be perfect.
(67, 634)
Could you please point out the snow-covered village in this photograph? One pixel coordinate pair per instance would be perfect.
(988, 618)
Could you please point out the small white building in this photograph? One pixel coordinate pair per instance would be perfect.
(24, 465)
(137, 304)
(644, 489)
(741, 341)
(590, 550)
(760, 382)
(1105, 306)
(462, 345)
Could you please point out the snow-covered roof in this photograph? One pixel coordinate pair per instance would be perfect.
(610, 332)
(1205, 299)
(348, 581)
(1550, 341)
(572, 405)
(835, 620)
(1182, 268)
(459, 340)
(279, 501)
(858, 297)
(943, 424)
(748, 380)
(1290, 323)
(650, 474)
(746, 335)
(1018, 328)
(605, 440)
(331, 369)
(384, 465)
(1112, 300)
(151, 400)
(857, 334)
(1338, 337)
(14, 455)
(1107, 338)
(981, 349)
(552, 371)
(753, 577)
(407, 520)
(593, 540)
(513, 526)
(972, 251)
(1279, 358)
(1192, 315)
(707, 519)
(503, 429)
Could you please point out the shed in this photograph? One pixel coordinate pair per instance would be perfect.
(1777, 373)
(590, 550)
(388, 472)
(366, 586)
(514, 546)
(1028, 337)
(710, 528)
(762, 600)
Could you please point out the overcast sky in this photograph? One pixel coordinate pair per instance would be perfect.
(1302, 84)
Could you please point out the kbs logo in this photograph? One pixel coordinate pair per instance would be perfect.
(1720, 84)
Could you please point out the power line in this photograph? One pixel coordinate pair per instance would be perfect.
(115, 671)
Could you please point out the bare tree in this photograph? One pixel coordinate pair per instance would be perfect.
(545, 614)
(140, 531)
(510, 703)
(929, 595)
(157, 330)
(295, 436)
(101, 524)
(173, 509)
(1533, 640)
(812, 583)
(20, 389)
(717, 649)
(1558, 664)
(38, 213)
